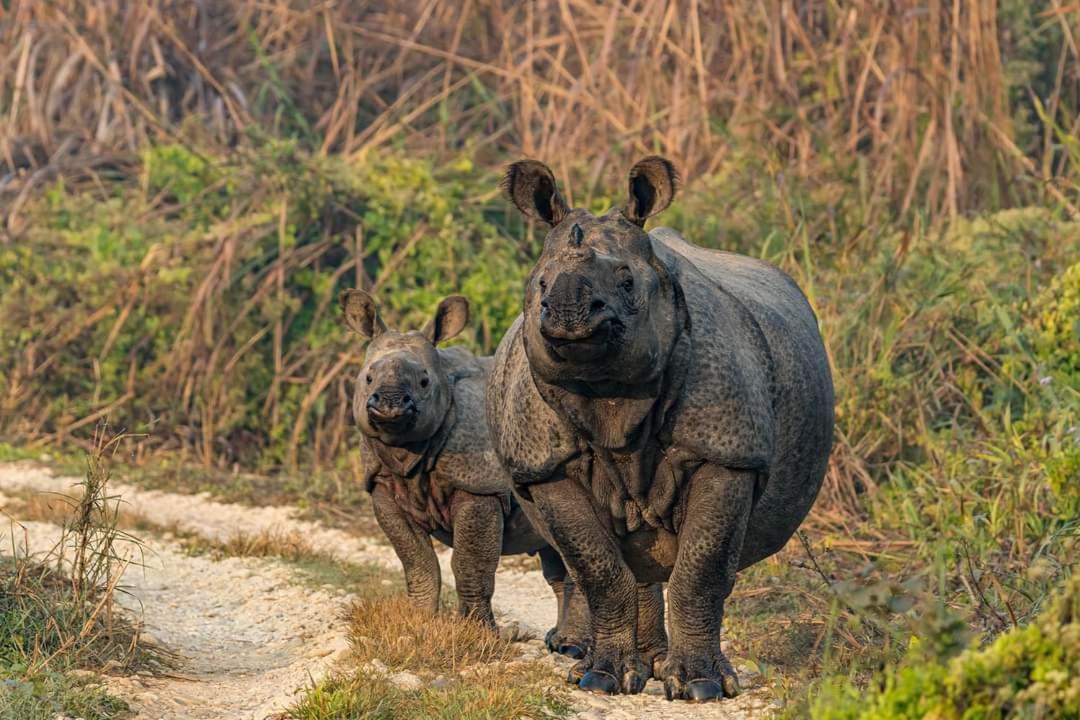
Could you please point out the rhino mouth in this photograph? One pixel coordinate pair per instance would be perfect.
(580, 345)
(394, 421)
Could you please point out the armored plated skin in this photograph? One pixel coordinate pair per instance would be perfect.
(666, 414)
(430, 470)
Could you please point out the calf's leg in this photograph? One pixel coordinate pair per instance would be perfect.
(423, 579)
(478, 527)
(652, 635)
(570, 636)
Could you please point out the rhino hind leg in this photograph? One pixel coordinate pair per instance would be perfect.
(478, 527)
(571, 634)
(614, 665)
(717, 509)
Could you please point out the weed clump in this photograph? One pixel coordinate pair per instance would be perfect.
(57, 611)
(393, 631)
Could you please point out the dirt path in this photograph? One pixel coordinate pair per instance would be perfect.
(250, 635)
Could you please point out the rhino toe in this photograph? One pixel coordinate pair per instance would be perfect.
(600, 682)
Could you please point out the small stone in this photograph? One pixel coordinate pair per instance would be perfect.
(407, 681)
(375, 666)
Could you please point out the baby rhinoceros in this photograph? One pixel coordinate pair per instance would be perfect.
(430, 470)
(666, 413)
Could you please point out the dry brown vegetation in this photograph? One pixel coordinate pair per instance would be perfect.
(919, 92)
(395, 632)
(466, 670)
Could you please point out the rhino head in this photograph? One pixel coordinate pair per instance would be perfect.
(600, 307)
(402, 393)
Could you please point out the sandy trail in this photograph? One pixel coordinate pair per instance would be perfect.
(250, 635)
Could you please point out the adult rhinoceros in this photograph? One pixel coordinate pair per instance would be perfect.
(666, 413)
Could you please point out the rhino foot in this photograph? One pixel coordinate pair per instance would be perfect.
(573, 648)
(699, 679)
(624, 673)
(654, 660)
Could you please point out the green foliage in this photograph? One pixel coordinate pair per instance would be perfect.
(200, 306)
(1057, 334)
(1028, 672)
(190, 306)
(50, 695)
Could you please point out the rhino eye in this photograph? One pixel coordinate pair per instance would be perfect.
(626, 279)
(424, 382)
(543, 284)
(368, 378)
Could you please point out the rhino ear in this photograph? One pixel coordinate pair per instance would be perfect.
(449, 320)
(653, 182)
(359, 312)
(530, 185)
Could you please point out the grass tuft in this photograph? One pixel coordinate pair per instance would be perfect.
(524, 692)
(394, 632)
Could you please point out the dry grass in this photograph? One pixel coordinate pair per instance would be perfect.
(467, 671)
(269, 543)
(919, 90)
(393, 631)
(38, 507)
(523, 691)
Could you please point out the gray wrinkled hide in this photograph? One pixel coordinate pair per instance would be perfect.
(757, 396)
(685, 470)
(439, 478)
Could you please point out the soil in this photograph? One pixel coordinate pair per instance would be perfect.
(249, 634)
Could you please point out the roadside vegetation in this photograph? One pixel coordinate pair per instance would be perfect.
(59, 622)
(186, 197)
(409, 664)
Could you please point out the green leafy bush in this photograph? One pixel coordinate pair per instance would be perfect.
(201, 305)
(1057, 337)
(1028, 672)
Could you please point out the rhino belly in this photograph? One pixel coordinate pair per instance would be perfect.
(650, 553)
(519, 535)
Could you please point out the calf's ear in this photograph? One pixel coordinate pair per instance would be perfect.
(449, 320)
(530, 185)
(653, 182)
(360, 314)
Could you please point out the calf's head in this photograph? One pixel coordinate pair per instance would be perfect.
(402, 393)
(600, 307)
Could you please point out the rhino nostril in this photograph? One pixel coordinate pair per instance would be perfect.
(406, 400)
(597, 306)
(373, 400)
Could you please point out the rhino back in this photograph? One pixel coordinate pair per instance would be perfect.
(466, 461)
(791, 398)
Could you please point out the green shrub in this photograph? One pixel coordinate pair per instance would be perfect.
(1057, 334)
(1028, 672)
(201, 305)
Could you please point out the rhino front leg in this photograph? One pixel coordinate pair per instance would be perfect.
(423, 579)
(570, 636)
(478, 529)
(595, 563)
(711, 537)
